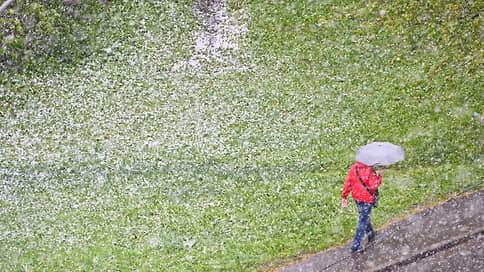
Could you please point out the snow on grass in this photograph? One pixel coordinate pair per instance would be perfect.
(158, 154)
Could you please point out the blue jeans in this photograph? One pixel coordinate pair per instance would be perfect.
(364, 224)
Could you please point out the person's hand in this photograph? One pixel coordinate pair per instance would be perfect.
(344, 203)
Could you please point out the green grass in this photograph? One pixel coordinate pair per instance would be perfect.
(132, 159)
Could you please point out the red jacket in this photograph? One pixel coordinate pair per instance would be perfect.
(353, 184)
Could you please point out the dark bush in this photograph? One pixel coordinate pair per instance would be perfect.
(35, 30)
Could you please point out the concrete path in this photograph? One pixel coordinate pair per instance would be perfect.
(447, 237)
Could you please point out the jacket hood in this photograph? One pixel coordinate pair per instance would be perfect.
(361, 164)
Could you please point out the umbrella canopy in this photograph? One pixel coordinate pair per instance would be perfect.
(380, 154)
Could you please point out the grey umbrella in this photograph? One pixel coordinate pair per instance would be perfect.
(380, 154)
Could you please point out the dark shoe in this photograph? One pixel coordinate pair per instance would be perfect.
(356, 250)
(371, 237)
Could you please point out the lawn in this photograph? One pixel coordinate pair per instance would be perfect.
(149, 153)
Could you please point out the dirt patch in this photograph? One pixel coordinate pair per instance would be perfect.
(218, 37)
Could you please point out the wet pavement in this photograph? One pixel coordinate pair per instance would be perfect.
(447, 237)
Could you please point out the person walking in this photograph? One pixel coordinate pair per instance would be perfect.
(363, 182)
